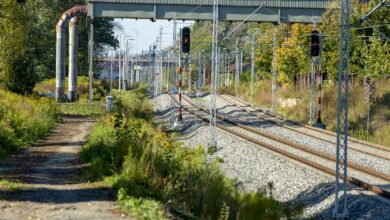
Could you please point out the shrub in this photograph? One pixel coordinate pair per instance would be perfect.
(24, 120)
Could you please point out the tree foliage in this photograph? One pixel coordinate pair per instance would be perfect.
(27, 41)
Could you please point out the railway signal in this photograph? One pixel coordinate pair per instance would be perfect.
(315, 43)
(185, 39)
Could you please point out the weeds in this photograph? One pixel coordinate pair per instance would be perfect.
(8, 185)
(82, 108)
(24, 120)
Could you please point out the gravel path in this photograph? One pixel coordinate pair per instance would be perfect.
(50, 180)
(257, 168)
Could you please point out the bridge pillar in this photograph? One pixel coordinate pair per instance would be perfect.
(73, 59)
(77, 10)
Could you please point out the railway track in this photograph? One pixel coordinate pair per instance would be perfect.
(314, 132)
(295, 151)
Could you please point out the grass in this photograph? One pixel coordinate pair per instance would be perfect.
(379, 113)
(24, 120)
(49, 86)
(83, 108)
(157, 177)
(8, 185)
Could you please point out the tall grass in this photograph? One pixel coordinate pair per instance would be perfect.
(156, 177)
(83, 108)
(24, 120)
(49, 85)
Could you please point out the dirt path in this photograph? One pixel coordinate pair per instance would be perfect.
(51, 184)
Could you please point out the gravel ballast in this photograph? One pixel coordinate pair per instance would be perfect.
(256, 168)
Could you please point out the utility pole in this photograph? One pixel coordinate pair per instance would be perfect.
(240, 64)
(340, 206)
(168, 70)
(161, 59)
(174, 59)
(204, 71)
(154, 72)
(219, 79)
(237, 76)
(312, 83)
(214, 79)
(274, 73)
(174, 48)
(189, 74)
(91, 30)
(228, 72)
(111, 75)
(180, 118)
(119, 70)
(200, 77)
(225, 65)
(253, 61)
(157, 69)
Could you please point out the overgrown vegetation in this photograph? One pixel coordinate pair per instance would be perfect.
(156, 177)
(47, 87)
(24, 120)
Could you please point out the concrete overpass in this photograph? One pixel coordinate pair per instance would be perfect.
(277, 11)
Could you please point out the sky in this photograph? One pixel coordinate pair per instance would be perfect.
(148, 31)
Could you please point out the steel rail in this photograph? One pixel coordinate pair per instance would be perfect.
(281, 124)
(352, 180)
(351, 139)
(301, 147)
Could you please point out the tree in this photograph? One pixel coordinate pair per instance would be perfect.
(27, 41)
(375, 58)
(291, 57)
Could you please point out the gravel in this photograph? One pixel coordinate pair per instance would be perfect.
(237, 115)
(256, 169)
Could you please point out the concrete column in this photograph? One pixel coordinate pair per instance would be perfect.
(73, 59)
(60, 59)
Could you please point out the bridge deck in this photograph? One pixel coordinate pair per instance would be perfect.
(229, 10)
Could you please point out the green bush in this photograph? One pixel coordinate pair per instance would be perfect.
(24, 120)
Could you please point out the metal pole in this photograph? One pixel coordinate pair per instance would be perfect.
(174, 48)
(154, 72)
(189, 74)
(319, 98)
(340, 209)
(312, 83)
(253, 62)
(312, 91)
(200, 77)
(225, 65)
(111, 76)
(240, 64)
(161, 60)
(168, 70)
(237, 76)
(91, 30)
(228, 71)
(119, 71)
(179, 70)
(274, 73)
(214, 78)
